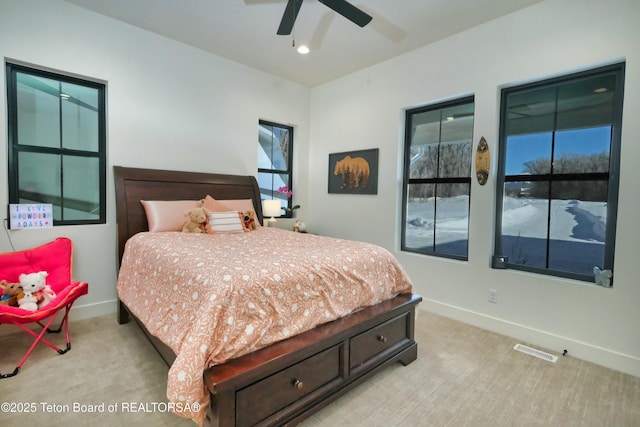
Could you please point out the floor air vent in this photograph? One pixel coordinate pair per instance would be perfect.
(537, 353)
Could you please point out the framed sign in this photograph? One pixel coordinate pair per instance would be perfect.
(354, 172)
(22, 216)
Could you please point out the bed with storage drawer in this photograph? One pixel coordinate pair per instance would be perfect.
(263, 327)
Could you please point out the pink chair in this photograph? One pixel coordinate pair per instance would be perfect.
(54, 258)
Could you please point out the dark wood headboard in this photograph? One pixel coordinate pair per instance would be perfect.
(134, 184)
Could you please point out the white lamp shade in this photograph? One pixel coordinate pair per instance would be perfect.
(271, 208)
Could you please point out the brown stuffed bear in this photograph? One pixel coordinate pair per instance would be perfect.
(10, 292)
(249, 220)
(197, 221)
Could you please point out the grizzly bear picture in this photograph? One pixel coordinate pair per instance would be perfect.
(355, 172)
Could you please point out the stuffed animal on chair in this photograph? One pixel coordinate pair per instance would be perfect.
(35, 291)
(197, 221)
(9, 293)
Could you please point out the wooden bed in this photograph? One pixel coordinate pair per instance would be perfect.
(285, 382)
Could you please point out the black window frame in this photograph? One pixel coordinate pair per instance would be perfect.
(406, 180)
(612, 176)
(14, 148)
(289, 171)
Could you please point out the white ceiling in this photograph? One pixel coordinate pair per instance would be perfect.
(245, 30)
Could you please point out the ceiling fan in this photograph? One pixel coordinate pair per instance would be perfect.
(343, 7)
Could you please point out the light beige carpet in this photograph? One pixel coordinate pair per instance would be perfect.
(464, 376)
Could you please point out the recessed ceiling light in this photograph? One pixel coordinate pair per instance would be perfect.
(64, 96)
(601, 90)
(303, 50)
(449, 118)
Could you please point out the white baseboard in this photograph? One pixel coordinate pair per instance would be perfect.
(88, 311)
(551, 342)
(78, 312)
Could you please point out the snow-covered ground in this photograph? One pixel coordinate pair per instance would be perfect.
(577, 230)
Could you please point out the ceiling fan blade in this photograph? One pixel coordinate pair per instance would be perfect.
(289, 17)
(349, 11)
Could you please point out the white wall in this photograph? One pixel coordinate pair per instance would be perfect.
(365, 110)
(169, 106)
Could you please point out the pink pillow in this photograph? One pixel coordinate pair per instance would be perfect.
(240, 205)
(168, 215)
(212, 205)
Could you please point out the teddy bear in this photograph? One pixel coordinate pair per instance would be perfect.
(197, 221)
(35, 291)
(249, 219)
(10, 292)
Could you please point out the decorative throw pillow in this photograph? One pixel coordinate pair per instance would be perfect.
(225, 222)
(240, 205)
(168, 215)
(214, 205)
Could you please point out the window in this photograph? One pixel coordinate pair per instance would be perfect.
(558, 173)
(57, 144)
(437, 179)
(275, 145)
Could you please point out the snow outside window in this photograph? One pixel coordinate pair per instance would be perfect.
(437, 179)
(557, 174)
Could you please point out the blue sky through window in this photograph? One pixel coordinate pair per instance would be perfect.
(523, 148)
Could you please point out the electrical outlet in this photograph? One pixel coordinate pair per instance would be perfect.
(493, 296)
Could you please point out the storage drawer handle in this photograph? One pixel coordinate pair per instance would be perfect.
(298, 384)
(382, 338)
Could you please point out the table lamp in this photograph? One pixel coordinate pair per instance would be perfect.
(271, 209)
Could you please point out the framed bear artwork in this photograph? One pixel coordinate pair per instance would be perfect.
(354, 172)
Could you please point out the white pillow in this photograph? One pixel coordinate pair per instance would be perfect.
(225, 222)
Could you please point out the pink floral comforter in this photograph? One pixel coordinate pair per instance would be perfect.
(212, 298)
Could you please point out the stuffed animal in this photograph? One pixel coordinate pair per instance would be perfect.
(28, 301)
(249, 219)
(10, 292)
(35, 291)
(48, 295)
(197, 221)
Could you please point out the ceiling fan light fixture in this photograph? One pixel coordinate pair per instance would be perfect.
(342, 7)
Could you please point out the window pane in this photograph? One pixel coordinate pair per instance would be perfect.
(39, 180)
(582, 150)
(529, 154)
(455, 159)
(531, 111)
(423, 150)
(424, 161)
(524, 227)
(79, 117)
(269, 184)
(452, 219)
(457, 123)
(577, 226)
(420, 217)
(81, 189)
(586, 102)
(273, 147)
(38, 106)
